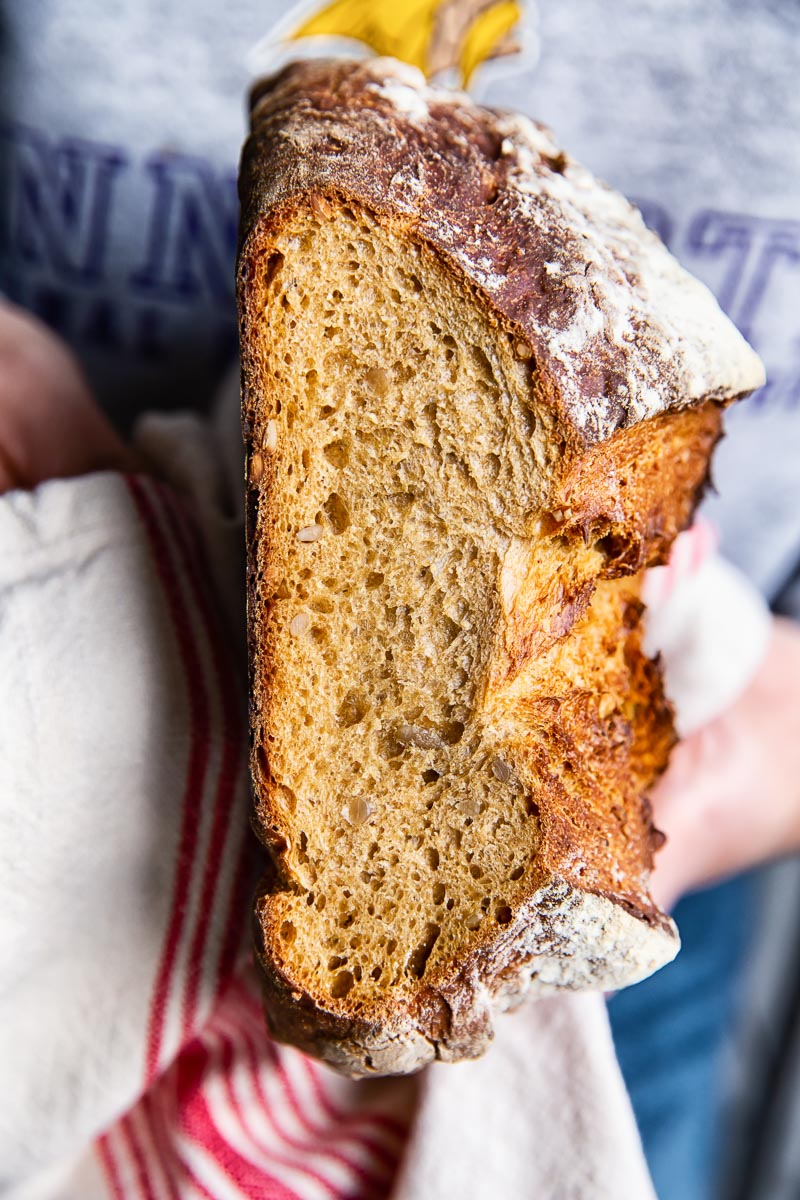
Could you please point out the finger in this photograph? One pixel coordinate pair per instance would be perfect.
(50, 425)
(730, 799)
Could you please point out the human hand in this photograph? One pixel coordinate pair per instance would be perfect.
(730, 799)
(120, 736)
(50, 426)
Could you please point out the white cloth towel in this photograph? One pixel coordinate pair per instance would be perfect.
(134, 1058)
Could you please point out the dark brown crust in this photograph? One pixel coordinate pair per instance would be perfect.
(453, 180)
(639, 490)
(323, 130)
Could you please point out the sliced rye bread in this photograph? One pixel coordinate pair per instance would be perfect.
(479, 397)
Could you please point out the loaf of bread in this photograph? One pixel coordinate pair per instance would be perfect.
(479, 397)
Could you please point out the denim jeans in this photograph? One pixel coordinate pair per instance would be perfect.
(671, 1032)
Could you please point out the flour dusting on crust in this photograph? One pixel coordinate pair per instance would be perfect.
(619, 330)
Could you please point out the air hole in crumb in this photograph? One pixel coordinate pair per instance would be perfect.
(375, 973)
(502, 914)
(451, 630)
(418, 959)
(612, 546)
(517, 873)
(273, 266)
(263, 763)
(438, 893)
(342, 984)
(288, 932)
(337, 512)
(374, 579)
(337, 453)
(322, 604)
(432, 855)
(336, 962)
(378, 380)
(430, 776)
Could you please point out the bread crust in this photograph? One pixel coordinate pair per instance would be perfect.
(634, 360)
(617, 329)
(453, 1018)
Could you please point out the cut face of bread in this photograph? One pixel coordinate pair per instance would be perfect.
(453, 724)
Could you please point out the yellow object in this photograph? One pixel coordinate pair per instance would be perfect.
(486, 34)
(392, 27)
(413, 30)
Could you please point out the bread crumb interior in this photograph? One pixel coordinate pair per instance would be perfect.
(401, 456)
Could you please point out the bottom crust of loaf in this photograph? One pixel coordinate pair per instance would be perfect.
(562, 938)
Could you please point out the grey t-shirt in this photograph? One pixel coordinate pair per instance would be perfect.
(120, 128)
